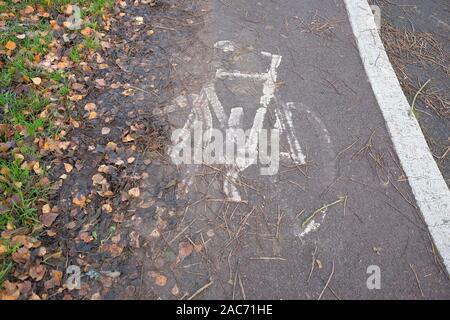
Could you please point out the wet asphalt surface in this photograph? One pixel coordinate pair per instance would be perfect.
(183, 239)
(257, 249)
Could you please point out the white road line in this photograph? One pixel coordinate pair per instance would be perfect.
(430, 190)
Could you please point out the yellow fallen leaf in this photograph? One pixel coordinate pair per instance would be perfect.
(68, 167)
(10, 45)
(46, 208)
(36, 80)
(127, 138)
(37, 168)
(92, 115)
(107, 207)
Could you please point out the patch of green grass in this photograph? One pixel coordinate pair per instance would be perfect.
(74, 55)
(18, 185)
(91, 43)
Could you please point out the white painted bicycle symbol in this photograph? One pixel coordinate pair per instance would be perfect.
(207, 103)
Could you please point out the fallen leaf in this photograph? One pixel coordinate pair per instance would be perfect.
(46, 208)
(92, 115)
(48, 219)
(36, 80)
(175, 291)
(98, 179)
(160, 279)
(127, 138)
(10, 45)
(85, 237)
(90, 106)
(27, 10)
(96, 296)
(111, 146)
(100, 82)
(87, 32)
(80, 201)
(134, 192)
(22, 255)
(107, 207)
(37, 168)
(68, 167)
(37, 272)
(106, 130)
(185, 249)
(114, 250)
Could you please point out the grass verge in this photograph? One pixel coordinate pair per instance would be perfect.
(35, 100)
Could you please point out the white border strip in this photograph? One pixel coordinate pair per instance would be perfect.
(430, 190)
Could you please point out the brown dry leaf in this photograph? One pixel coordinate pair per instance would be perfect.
(10, 45)
(80, 201)
(175, 290)
(113, 249)
(85, 237)
(37, 272)
(160, 279)
(55, 280)
(22, 255)
(98, 179)
(134, 192)
(27, 10)
(48, 219)
(90, 107)
(87, 32)
(3, 249)
(185, 249)
(68, 167)
(100, 82)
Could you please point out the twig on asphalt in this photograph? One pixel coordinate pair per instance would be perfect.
(196, 293)
(328, 281)
(417, 280)
(323, 208)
